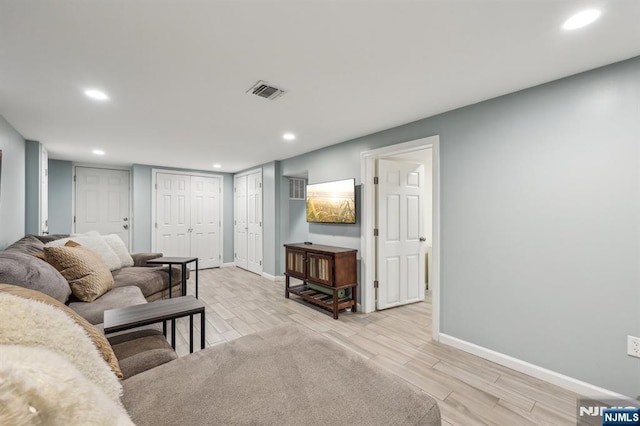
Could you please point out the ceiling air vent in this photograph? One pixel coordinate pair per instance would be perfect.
(265, 90)
(296, 189)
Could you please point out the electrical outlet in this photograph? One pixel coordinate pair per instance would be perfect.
(633, 346)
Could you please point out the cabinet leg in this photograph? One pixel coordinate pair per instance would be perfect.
(335, 304)
(286, 286)
(354, 297)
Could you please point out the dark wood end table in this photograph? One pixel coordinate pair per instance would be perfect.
(178, 261)
(159, 311)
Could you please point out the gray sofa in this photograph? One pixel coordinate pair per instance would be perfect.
(133, 285)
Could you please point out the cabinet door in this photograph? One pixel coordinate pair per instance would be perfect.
(320, 268)
(296, 263)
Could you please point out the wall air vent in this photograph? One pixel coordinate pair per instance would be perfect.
(297, 188)
(265, 90)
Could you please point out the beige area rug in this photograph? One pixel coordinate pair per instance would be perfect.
(288, 375)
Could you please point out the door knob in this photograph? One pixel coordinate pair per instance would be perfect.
(423, 239)
(125, 226)
(125, 219)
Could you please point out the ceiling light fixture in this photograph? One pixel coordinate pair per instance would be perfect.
(581, 19)
(288, 136)
(216, 166)
(98, 152)
(98, 95)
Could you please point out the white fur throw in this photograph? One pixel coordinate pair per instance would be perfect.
(38, 387)
(32, 323)
(117, 245)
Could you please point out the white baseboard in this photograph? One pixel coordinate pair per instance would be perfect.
(228, 265)
(566, 382)
(273, 277)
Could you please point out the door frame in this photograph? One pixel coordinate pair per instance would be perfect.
(154, 177)
(247, 173)
(367, 240)
(107, 167)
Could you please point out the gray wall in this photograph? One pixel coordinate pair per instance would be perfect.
(12, 185)
(32, 187)
(60, 197)
(540, 233)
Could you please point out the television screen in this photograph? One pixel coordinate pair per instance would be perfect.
(332, 202)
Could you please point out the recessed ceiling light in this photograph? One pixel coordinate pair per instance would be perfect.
(98, 152)
(288, 136)
(581, 19)
(96, 94)
(216, 166)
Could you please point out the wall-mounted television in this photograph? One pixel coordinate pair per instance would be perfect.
(332, 202)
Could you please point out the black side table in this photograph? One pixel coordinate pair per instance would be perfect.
(159, 311)
(178, 261)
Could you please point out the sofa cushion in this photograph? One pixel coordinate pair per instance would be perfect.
(117, 245)
(150, 279)
(39, 387)
(27, 271)
(27, 245)
(97, 244)
(83, 269)
(141, 350)
(96, 335)
(34, 323)
(118, 297)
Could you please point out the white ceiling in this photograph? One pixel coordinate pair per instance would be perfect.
(177, 71)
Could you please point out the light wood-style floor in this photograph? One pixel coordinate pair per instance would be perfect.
(469, 390)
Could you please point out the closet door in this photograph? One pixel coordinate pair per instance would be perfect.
(254, 222)
(173, 214)
(241, 225)
(205, 220)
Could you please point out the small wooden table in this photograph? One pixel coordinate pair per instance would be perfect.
(178, 261)
(159, 311)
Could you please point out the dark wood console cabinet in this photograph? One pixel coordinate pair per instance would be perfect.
(333, 268)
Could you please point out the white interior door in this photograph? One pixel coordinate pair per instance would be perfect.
(400, 242)
(241, 226)
(254, 222)
(102, 201)
(173, 214)
(205, 220)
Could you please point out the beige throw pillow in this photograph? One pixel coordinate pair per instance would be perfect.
(97, 244)
(86, 273)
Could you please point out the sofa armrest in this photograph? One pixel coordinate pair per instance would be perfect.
(140, 259)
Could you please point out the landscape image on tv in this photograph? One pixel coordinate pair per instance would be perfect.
(332, 202)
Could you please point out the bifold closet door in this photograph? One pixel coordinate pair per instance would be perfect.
(254, 222)
(188, 217)
(241, 225)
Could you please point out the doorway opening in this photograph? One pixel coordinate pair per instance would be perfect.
(401, 219)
